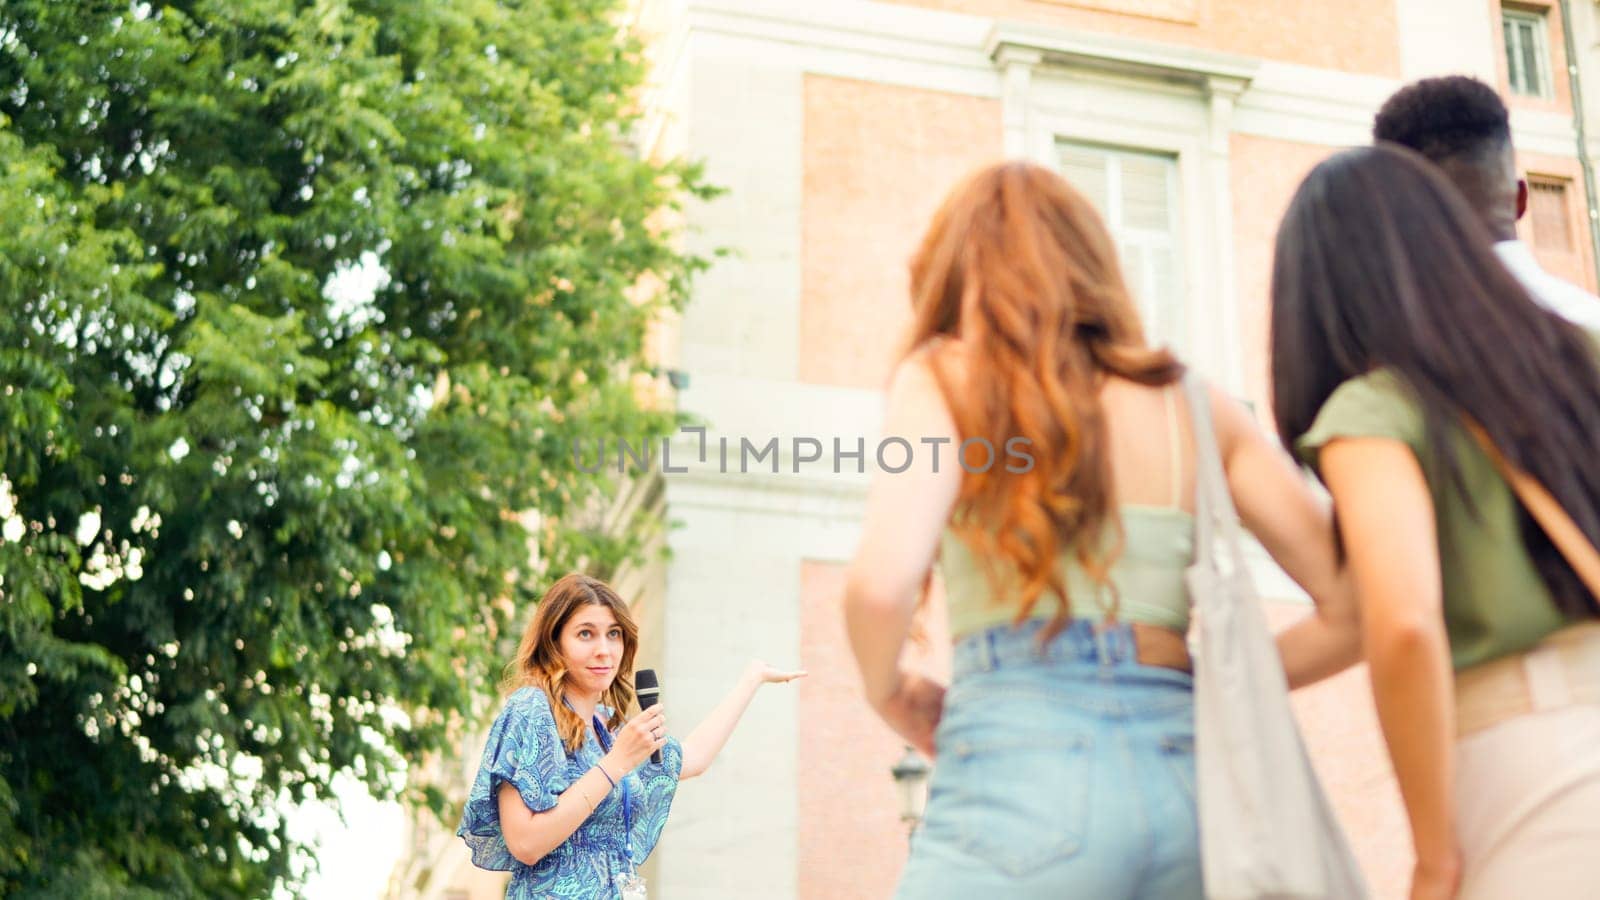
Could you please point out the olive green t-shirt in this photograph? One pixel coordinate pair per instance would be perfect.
(1495, 603)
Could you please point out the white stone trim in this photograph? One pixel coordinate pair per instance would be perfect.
(1223, 96)
(914, 47)
(746, 309)
(863, 18)
(1445, 37)
(1121, 55)
(1311, 106)
(867, 41)
(1547, 133)
(1016, 71)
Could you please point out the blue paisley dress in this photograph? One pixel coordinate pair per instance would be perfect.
(525, 751)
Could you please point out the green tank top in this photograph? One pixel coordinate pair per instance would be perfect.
(1146, 581)
(1148, 578)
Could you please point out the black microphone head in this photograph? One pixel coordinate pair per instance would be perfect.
(648, 691)
(644, 681)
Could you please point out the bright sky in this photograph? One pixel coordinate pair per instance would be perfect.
(356, 855)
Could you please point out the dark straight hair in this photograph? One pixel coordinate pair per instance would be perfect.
(1380, 264)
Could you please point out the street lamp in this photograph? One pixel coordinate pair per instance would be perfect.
(911, 778)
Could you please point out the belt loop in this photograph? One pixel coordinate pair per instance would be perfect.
(991, 656)
(1547, 678)
(1102, 645)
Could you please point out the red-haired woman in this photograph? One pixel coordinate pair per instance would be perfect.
(565, 798)
(1063, 527)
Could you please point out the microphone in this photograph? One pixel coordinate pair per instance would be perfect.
(648, 690)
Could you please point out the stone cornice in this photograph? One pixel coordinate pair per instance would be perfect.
(1011, 43)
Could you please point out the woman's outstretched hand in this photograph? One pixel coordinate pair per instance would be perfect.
(761, 673)
(705, 742)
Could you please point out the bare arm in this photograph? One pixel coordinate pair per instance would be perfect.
(1295, 524)
(708, 738)
(1387, 519)
(530, 835)
(906, 513)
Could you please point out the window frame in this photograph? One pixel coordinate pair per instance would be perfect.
(1166, 319)
(1562, 187)
(1537, 23)
(1155, 98)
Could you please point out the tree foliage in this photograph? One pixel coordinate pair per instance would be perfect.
(302, 301)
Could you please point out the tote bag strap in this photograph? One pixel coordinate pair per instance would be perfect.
(1579, 553)
(1216, 522)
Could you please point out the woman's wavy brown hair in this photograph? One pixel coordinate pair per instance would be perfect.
(539, 663)
(1019, 266)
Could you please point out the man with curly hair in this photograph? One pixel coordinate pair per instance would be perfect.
(1461, 125)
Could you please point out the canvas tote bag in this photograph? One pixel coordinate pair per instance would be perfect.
(1266, 828)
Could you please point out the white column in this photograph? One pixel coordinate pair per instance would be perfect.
(732, 587)
(1229, 368)
(1016, 67)
(734, 832)
(745, 120)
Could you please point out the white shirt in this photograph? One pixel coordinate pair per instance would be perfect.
(1561, 297)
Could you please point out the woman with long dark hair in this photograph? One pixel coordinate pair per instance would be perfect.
(1060, 513)
(1394, 325)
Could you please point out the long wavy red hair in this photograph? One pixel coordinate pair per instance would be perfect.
(1019, 266)
(539, 661)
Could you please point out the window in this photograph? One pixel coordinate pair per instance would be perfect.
(1547, 208)
(1527, 54)
(1137, 194)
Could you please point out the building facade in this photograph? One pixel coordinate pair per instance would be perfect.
(837, 126)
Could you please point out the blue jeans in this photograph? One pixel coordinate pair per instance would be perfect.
(1066, 771)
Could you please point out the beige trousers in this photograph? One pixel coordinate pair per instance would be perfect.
(1528, 807)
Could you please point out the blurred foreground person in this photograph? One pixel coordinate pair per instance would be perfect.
(1394, 325)
(1061, 516)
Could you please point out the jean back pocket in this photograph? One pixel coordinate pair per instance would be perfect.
(1017, 803)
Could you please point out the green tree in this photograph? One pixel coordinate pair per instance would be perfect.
(301, 301)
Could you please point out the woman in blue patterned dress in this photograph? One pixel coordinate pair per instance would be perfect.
(566, 797)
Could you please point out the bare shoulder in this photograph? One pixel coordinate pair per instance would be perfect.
(917, 401)
(946, 355)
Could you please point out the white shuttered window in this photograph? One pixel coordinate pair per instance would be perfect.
(1137, 194)
(1527, 57)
